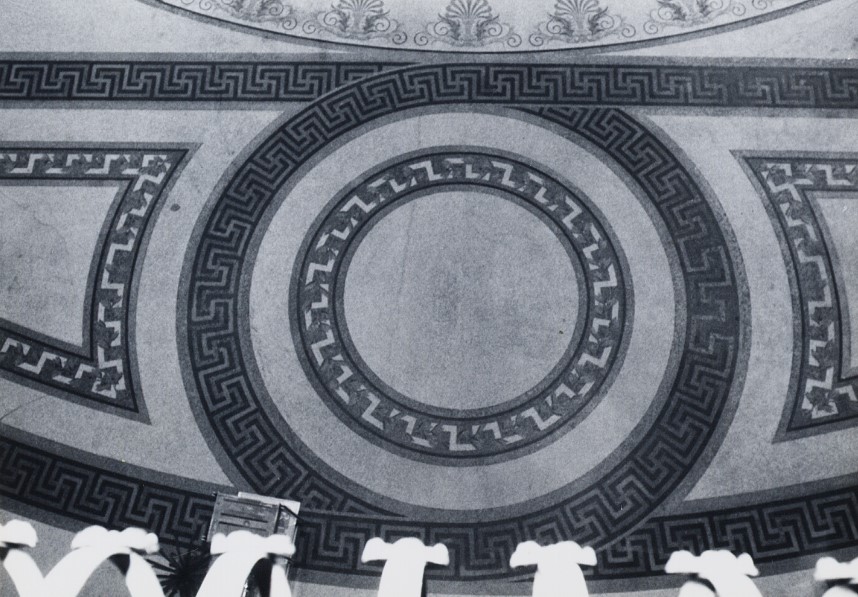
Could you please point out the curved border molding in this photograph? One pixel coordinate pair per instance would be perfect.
(83, 494)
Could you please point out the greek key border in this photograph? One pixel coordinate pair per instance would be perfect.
(704, 86)
(84, 494)
(177, 81)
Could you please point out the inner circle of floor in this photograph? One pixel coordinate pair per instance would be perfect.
(461, 299)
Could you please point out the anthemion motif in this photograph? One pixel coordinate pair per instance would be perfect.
(688, 13)
(578, 21)
(481, 275)
(258, 11)
(468, 23)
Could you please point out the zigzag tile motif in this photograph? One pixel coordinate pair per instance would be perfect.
(627, 492)
(332, 542)
(823, 393)
(104, 376)
(343, 380)
(624, 85)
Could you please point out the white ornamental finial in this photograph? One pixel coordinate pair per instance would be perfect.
(558, 567)
(95, 545)
(16, 535)
(405, 561)
(275, 545)
(239, 552)
(844, 574)
(727, 573)
(130, 539)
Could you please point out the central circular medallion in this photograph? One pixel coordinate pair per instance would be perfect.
(461, 299)
(458, 305)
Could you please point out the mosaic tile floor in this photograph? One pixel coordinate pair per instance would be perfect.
(463, 270)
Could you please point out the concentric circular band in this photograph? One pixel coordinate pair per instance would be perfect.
(625, 492)
(353, 391)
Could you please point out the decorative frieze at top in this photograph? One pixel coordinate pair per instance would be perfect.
(485, 25)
